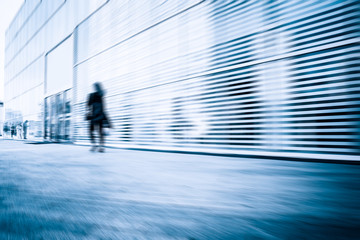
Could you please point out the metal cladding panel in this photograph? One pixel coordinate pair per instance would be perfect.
(276, 78)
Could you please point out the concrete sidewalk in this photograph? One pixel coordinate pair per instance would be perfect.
(60, 191)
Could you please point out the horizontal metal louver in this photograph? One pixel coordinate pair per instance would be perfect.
(254, 77)
(274, 78)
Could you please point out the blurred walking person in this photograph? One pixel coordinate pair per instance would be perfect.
(12, 130)
(97, 117)
(25, 126)
(19, 130)
(6, 130)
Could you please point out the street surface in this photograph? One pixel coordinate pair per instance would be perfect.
(62, 191)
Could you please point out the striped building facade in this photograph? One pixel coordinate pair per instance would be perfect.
(261, 77)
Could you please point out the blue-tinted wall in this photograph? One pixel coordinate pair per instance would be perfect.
(278, 78)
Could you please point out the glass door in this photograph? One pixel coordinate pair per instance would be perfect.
(57, 116)
(66, 115)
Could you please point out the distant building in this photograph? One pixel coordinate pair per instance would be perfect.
(269, 78)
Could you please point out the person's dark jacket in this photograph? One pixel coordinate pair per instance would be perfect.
(96, 106)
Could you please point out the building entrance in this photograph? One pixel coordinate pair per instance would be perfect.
(57, 116)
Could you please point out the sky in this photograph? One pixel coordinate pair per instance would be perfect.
(8, 10)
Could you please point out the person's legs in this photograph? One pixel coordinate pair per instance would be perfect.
(92, 136)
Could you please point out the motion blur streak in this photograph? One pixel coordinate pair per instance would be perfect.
(272, 78)
(63, 191)
(260, 80)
